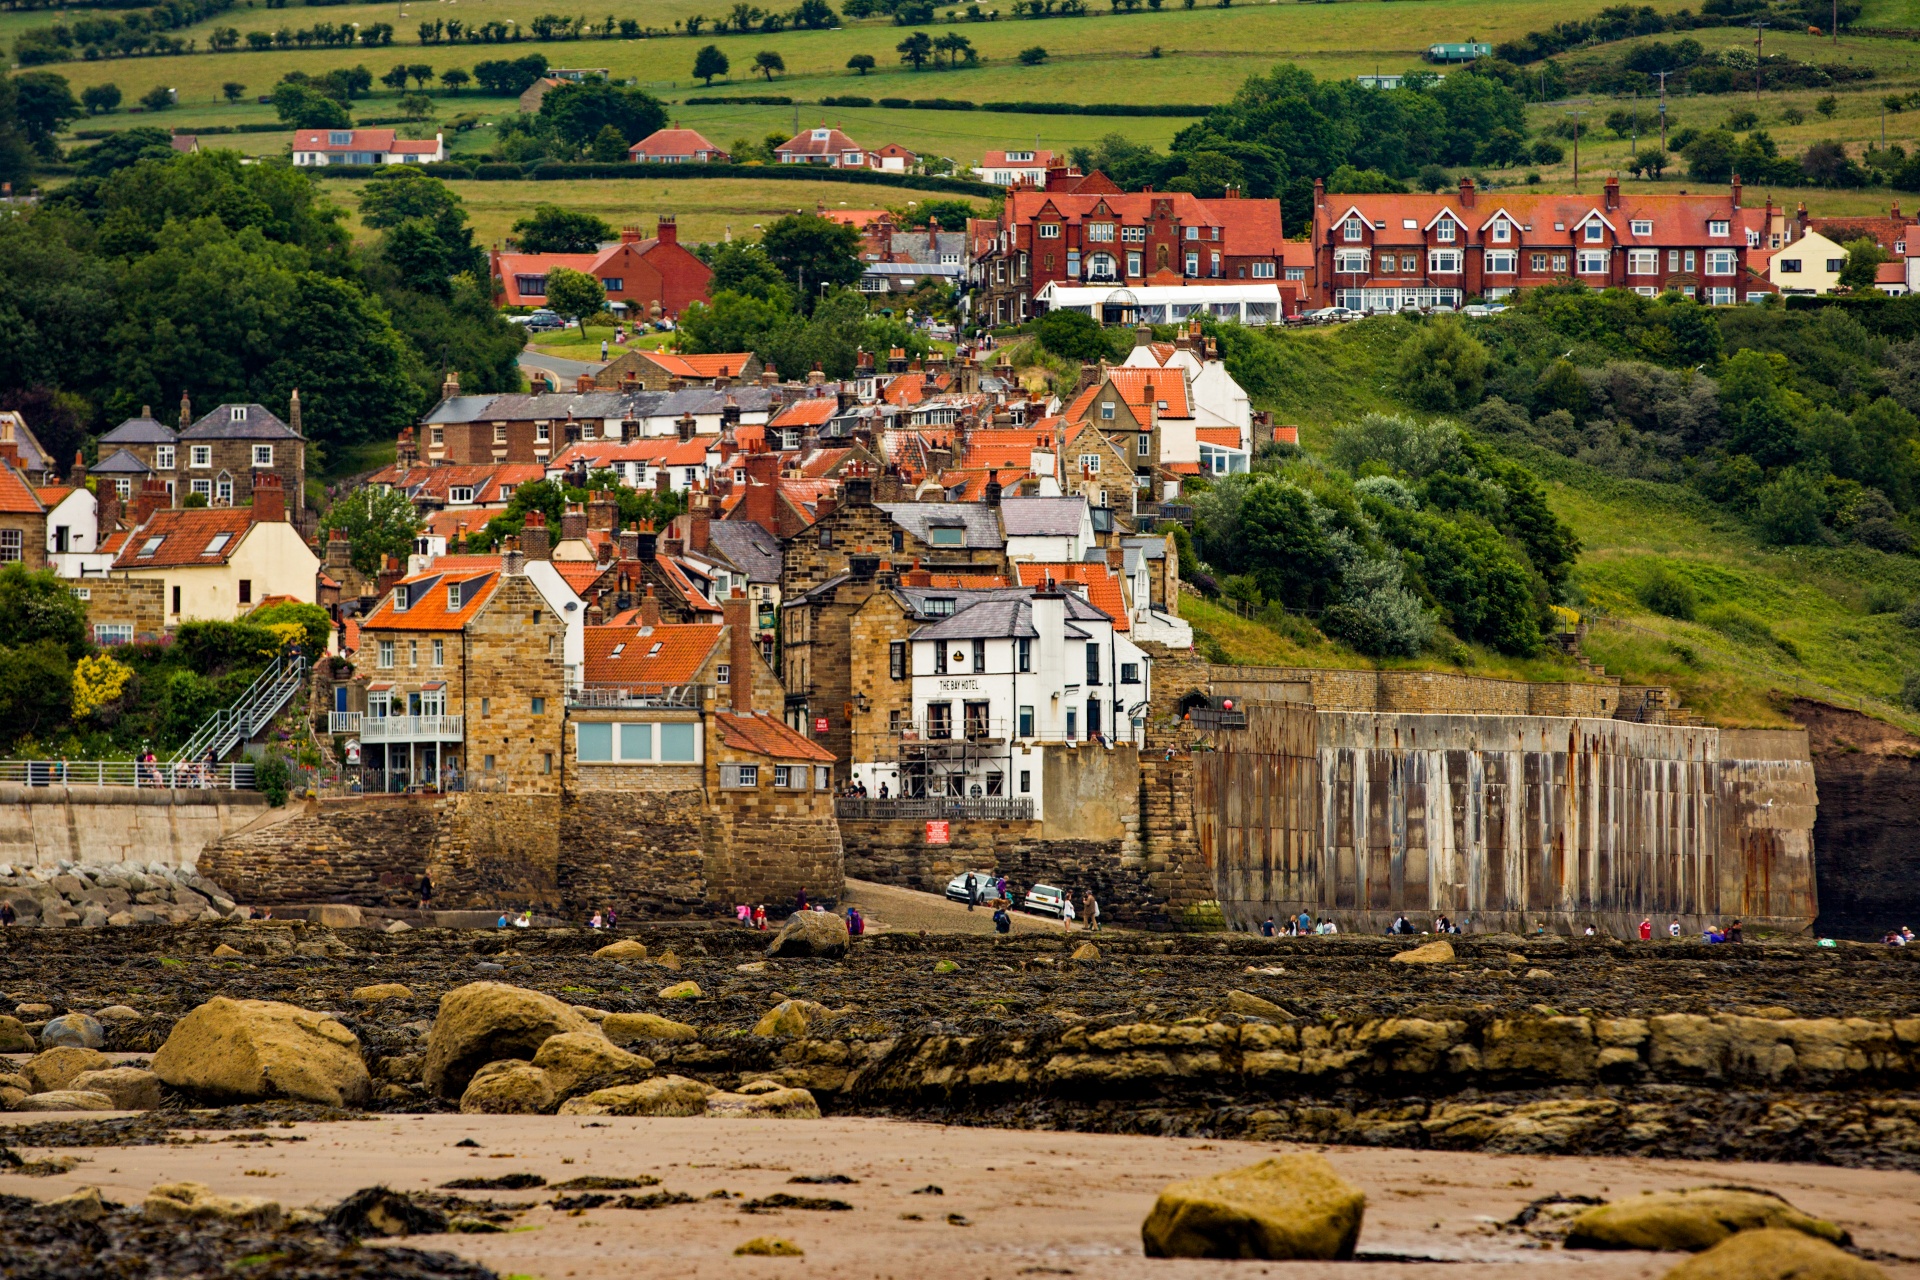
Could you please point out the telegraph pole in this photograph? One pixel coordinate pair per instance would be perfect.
(1663, 106)
(1759, 35)
(1576, 147)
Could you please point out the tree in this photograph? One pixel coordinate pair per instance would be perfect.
(396, 79)
(100, 98)
(743, 268)
(552, 229)
(1792, 509)
(1864, 257)
(419, 73)
(861, 63)
(608, 146)
(956, 46)
(36, 690)
(36, 607)
(378, 523)
(1651, 162)
(916, 49)
(813, 14)
(504, 78)
(1033, 57)
(811, 251)
(767, 62)
(710, 62)
(1433, 178)
(158, 98)
(1283, 544)
(1442, 366)
(233, 90)
(416, 106)
(455, 79)
(1827, 106)
(577, 112)
(1072, 335)
(575, 295)
(300, 107)
(43, 102)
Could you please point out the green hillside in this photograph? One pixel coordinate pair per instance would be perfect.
(1822, 619)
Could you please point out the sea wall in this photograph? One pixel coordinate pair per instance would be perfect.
(41, 826)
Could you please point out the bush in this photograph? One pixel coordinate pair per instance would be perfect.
(846, 100)
(1442, 366)
(1910, 691)
(1669, 596)
(1884, 597)
(1072, 335)
(1791, 510)
(1737, 624)
(273, 777)
(1910, 616)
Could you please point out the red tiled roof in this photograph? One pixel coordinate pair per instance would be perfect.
(1248, 228)
(1041, 160)
(764, 735)
(1103, 585)
(52, 495)
(1894, 272)
(363, 140)
(1546, 219)
(671, 653)
(814, 411)
(1225, 437)
(1184, 468)
(429, 610)
(185, 538)
(1008, 446)
(719, 364)
(16, 495)
(579, 575)
(673, 142)
(967, 581)
(832, 143)
(856, 218)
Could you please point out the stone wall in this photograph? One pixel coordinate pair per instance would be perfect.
(40, 826)
(639, 855)
(140, 603)
(369, 851)
(1867, 837)
(1503, 822)
(491, 849)
(1423, 692)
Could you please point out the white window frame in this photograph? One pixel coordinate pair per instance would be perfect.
(1263, 271)
(1594, 232)
(1641, 226)
(462, 493)
(1717, 227)
(112, 633)
(739, 777)
(1592, 262)
(1643, 262)
(1353, 230)
(163, 457)
(1345, 260)
(1133, 235)
(386, 655)
(1721, 295)
(1503, 262)
(1099, 232)
(13, 546)
(1090, 462)
(1049, 231)
(1502, 231)
(263, 455)
(201, 486)
(439, 653)
(1446, 231)
(200, 455)
(1443, 262)
(1721, 262)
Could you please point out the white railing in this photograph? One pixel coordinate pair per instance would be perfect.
(160, 775)
(392, 728)
(343, 721)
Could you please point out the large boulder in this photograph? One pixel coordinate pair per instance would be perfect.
(660, 1096)
(230, 1050)
(1432, 953)
(1289, 1207)
(1775, 1255)
(486, 1022)
(810, 933)
(625, 949)
(14, 1036)
(630, 1028)
(508, 1089)
(791, 1018)
(763, 1100)
(131, 1088)
(1249, 1005)
(573, 1058)
(56, 1068)
(78, 1030)
(1690, 1221)
(197, 1202)
(66, 1100)
(682, 991)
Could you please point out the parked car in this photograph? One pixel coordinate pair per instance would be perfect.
(1332, 315)
(984, 885)
(538, 321)
(1044, 899)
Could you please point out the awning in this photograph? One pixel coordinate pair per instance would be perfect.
(381, 686)
(433, 686)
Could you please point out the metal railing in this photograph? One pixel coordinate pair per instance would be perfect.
(683, 697)
(250, 713)
(159, 775)
(394, 728)
(920, 808)
(376, 780)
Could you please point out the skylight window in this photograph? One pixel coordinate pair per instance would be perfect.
(654, 652)
(151, 546)
(618, 650)
(219, 542)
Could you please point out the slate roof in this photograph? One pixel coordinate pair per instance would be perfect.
(990, 619)
(141, 430)
(981, 522)
(258, 423)
(751, 549)
(459, 409)
(121, 462)
(1042, 517)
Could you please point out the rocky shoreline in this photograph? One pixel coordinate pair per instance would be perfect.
(1776, 1052)
(71, 895)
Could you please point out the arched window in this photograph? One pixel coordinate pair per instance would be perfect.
(1101, 266)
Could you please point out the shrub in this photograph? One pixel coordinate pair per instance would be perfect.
(1910, 616)
(1910, 691)
(1737, 624)
(1884, 597)
(1072, 335)
(1669, 596)
(274, 779)
(1442, 366)
(1791, 509)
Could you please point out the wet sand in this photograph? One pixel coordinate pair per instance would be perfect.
(1033, 1202)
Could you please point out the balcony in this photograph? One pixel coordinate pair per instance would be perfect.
(412, 728)
(343, 721)
(640, 697)
(921, 809)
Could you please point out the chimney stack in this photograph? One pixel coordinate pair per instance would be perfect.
(107, 511)
(603, 511)
(535, 538)
(451, 387)
(649, 608)
(630, 543)
(648, 541)
(1736, 189)
(390, 574)
(1466, 192)
(293, 412)
(740, 653)
(699, 520)
(916, 576)
(151, 498)
(668, 230)
(1611, 189)
(993, 488)
(269, 499)
(77, 473)
(573, 523)
(339, 552)
(513, 564)
(186, 411)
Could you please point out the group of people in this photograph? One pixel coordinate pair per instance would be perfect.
(857, 790)
(1300, 926)
(605, 918)
(520, 920)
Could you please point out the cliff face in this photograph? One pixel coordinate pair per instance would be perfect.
(1867, 835)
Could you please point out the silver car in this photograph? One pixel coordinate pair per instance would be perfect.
(985, 886)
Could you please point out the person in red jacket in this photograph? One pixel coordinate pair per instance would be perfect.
(1646, 930)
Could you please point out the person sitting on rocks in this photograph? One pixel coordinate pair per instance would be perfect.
(743, 913)
(1734, 932)
(760, 917)
(7, 915)
(1266, 928)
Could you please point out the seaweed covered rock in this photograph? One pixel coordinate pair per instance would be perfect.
(252, 1050)
(486, 1022)
(1290, 1207)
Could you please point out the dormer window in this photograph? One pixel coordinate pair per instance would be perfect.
(402, 597)
(460, 493)
(1642, 226)
(1717, 227)
(453, 598)
(237, 413)
(820, 135)
(1353, 229)
(1049, 231)
(1502, 231)
(1444, 231)
(340, 139)
(1596, 231)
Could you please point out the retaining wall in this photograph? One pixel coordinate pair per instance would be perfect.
(40, 826)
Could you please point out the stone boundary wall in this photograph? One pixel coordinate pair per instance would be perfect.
(1423, 692)
(40, 826)
(369, 851)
